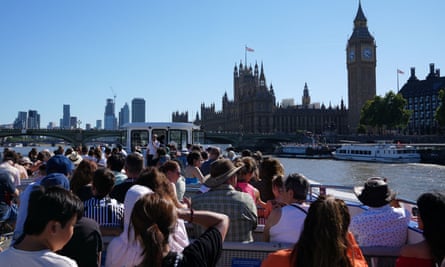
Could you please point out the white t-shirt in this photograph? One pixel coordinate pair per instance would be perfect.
(288, 228)
(15, 257)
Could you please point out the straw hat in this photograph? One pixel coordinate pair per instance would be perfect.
(75, 158)
(220, 171)
(375, 192)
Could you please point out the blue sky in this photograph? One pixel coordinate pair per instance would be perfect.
(179, 54)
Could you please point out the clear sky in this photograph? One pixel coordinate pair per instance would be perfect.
(179, 54)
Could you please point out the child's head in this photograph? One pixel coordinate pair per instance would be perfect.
(53, 212)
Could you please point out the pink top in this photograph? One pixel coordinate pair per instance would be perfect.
(246, 188)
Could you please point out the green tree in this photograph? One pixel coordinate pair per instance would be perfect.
(386, 112)
(440, 111)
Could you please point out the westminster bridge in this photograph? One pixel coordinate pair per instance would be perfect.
(263, 142)
(80, 136)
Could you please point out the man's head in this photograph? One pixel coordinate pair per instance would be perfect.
(296, 187)
(60, 164)
(375, 193)
(222, 171)
(134, 163)
(116, 162)
(103, 182)
(55, 179)
(214, 153)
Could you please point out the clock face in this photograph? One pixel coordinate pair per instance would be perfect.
(367, 53)
(351, 55)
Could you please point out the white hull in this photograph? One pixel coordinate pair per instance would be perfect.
(385, 153)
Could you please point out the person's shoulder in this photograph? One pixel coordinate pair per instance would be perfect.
(59, 260)
(278, 258)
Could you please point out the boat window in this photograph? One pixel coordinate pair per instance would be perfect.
(180, 137)
(139, 138)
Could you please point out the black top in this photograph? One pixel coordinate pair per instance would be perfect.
(86, 243)
(204, 251)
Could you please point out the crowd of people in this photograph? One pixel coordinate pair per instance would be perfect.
(79, 195)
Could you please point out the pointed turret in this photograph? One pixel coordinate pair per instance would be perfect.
(262, 76)
(306, 99)
(361, 25)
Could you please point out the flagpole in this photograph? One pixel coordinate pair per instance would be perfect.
(398, 81)
(245, 55)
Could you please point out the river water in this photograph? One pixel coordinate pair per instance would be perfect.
(409, 180)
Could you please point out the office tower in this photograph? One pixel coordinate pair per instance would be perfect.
(110, 121)
(33, 119)
(66, 117)
(21, 122)
(124, 115)
(138, 110)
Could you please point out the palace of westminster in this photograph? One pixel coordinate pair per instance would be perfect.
(254, 108)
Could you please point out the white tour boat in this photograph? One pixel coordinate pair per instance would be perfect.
(379, 152)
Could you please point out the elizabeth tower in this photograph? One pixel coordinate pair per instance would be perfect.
(361, 63)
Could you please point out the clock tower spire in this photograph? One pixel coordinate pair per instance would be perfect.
(361, 65)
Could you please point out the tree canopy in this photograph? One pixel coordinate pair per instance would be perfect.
(386, 112)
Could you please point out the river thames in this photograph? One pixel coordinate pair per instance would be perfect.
(408, 180)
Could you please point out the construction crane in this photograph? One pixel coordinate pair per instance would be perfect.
(114, 94)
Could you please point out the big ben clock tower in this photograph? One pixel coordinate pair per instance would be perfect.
(361, 64)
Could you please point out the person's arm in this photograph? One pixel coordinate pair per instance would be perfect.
(198, 174)
(273, 219)
(206, 219)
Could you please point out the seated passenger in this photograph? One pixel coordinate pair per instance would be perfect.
(381, 224)
(431, 251)
(278, 201)
(154, 218)
(106, 211)
(116, 163)
(245, 174)
(285, 224)
(192, 172)
(224, 198)
(49, 225)
(8, 192)
(126, 249)
(324, 241)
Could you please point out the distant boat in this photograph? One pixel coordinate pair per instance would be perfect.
(303, 151)
(379, 152)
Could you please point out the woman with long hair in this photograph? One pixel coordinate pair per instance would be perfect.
(325, 240)
(154, 219)
(431, 251)
(82, 180)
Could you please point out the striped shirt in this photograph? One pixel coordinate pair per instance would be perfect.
(106, 211)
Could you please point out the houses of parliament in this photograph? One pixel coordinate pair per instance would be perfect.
(254, 108)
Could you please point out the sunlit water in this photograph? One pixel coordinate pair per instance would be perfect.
(409, 180)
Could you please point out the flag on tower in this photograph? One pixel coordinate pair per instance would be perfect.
(400, 71)
(248, 49)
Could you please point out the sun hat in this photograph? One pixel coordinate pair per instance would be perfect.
(375, 192)
(220, 171)
(75, 158)
(59, 163)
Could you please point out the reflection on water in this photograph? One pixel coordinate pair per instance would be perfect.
(409, 180)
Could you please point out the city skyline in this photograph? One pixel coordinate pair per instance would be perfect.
(178, 55)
